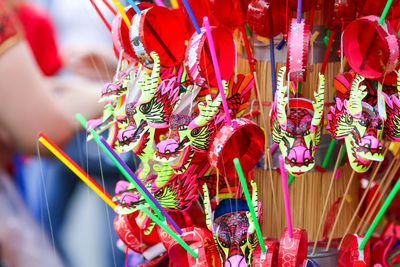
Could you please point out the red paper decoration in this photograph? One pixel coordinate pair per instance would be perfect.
(266, 17)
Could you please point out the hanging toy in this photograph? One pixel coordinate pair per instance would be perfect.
(392, 122)
(200, 239)
(233, 229)
(198, 58)
(350, 255)
(298, 134)
(339, 13)
(371, 47)
(158, 29)
(359, 124)
(266, 17)
(298, 43)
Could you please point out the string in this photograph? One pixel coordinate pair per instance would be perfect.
(105, 207)
(45, 197)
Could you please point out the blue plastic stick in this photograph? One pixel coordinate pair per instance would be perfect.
(135, 7)
(192, 18)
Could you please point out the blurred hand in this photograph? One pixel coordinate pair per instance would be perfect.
(92, 63)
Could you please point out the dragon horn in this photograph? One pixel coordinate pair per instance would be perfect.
(207, 208)
(208, 111)
(357, 93)
(254, 198)
(280, 99)
(319, 102)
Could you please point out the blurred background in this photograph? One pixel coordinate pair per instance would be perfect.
(47, 216)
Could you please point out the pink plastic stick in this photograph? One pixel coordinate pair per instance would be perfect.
(216, 69)
(286, 196)
(159, 3)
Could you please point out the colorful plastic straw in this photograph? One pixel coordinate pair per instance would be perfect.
(123, 14)
(216, 69)
(110, 7)
(385, 11)
(328, 50)
(378, 217)
(49, 144)
(135, 7)
(169, 231)
(327, 156)
(299, 7)
(101, 15)
(337, 174)
(286, 196)
(159, 3)
(248, 199)
(192, 17)
(273, 71)
(129, 175)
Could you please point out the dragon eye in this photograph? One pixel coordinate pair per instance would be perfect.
(182, 127)
(223, 243)
(145, 108)
(289, 134)
(307, 132)
(242, 242)
(362, 122)
(195, 131)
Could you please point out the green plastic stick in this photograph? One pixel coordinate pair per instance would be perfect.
(82, 120)
(342, 155)
(328, 154)
(290, 179)
(248, 199)
(169, 231)
(378, 217)
(385, 11)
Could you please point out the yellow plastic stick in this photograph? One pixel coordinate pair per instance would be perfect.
(123, 14)
(80, 173)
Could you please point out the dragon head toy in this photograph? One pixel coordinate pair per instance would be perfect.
(233, 228)
(298, 133)
(152, 111)
(360, 125)
(189, 134)
(392, 123)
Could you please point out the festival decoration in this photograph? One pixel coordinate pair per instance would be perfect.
(376, 57)
(298, 133)
(232, 228)
(178, 102)
(359, 124)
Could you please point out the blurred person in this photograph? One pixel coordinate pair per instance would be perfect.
(28, 106)
(50, 188)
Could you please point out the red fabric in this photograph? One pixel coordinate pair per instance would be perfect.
(39, 33)
(7, 24)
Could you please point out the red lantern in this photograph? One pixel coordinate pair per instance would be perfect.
(306, 4)
(293, 251)
(158, 29)
(376, 7)
(132, 236)
(339, 13)
(297, 51)
(271, 257)
(266, 17)
(200, 8)
(200, 240)
(349, 254)
(243, 140)
(371, 49)
(198, 57)
(230, 13)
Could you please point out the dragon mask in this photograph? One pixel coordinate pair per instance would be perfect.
(298, 133)
(233, 228)
(359, 124)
